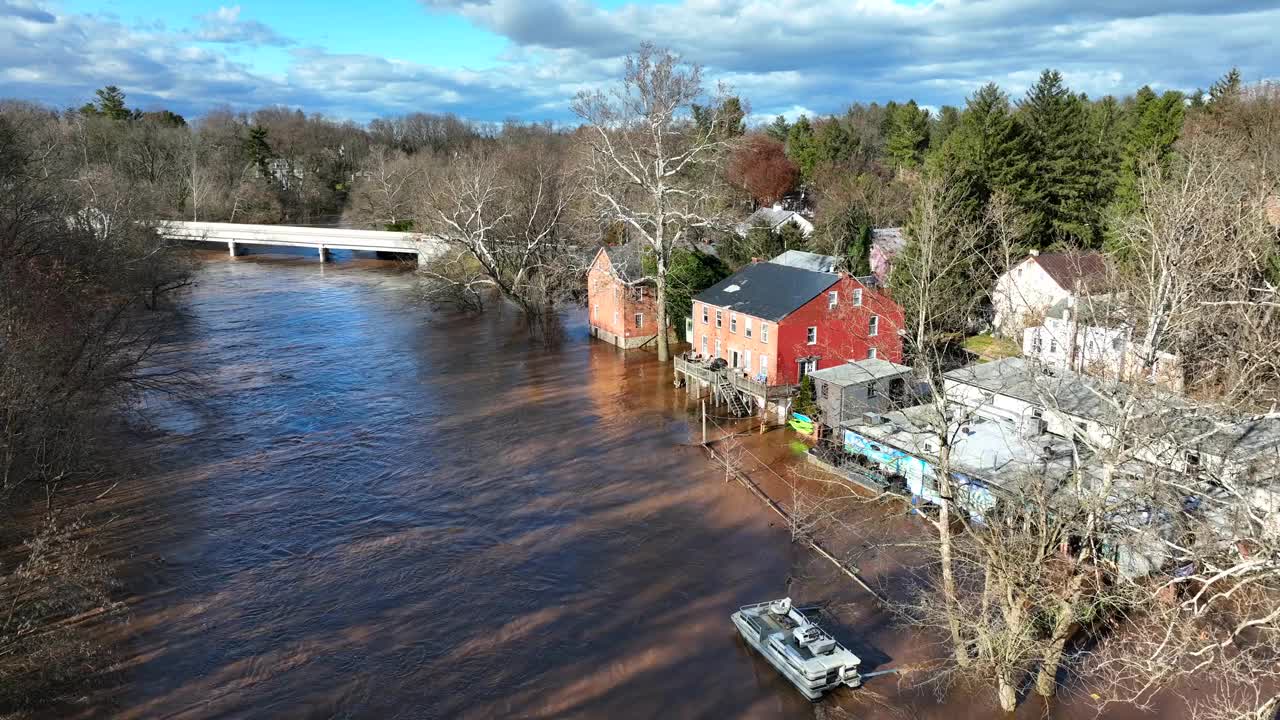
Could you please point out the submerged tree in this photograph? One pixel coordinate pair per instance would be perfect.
(645, 158)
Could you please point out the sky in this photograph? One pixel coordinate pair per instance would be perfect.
(490, 60)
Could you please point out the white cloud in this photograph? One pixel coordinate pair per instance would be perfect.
(782, 56)
(225, 26)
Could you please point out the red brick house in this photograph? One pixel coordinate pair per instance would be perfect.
(778, 322)
(619, 310)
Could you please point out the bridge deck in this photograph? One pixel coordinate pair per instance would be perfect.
(322, 239)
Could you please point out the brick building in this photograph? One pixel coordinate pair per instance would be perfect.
(621, 310)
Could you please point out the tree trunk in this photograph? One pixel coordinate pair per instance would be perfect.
(1007, 693)
(1047, 678)
(959, 647)
(664, 352)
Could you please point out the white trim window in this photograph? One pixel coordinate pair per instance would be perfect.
(747, 329)
(833, 299)
(746, 360)
(733, 322)
(704, 345)
(705, 318)
(764, 333)
(811, 335)
(871, 353)
(595, 312)
(719, 319)
(857, 297)
(764, 366)
(639, 320)
(717, 347)
(873, 326)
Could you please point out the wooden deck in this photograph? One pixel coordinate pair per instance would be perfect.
(694, 370)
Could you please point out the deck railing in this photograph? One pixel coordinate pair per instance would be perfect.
(699, 370)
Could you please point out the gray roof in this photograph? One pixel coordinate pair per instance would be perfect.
(626, 259)
(1204, 427)
(767, 290)
(772, 217)
(1070, 392)
(890, 240)
(808, 261)
(856, 372)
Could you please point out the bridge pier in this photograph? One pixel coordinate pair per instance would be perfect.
(324, 254)
(233, 248)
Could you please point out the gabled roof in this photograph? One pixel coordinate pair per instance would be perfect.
(808, 261)
(773, 217)
(767, 290)
(626, 259)
(1073, 271)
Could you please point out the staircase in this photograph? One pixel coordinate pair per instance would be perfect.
(732, 399)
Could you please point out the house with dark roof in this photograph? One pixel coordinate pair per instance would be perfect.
(775, 322)
(621, 306)
(1023, 295)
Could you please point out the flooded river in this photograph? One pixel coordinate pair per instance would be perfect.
(374, 510)
(379, 511)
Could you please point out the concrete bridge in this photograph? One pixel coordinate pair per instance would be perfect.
(323, 240)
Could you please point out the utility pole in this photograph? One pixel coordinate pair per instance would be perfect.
(704, 421)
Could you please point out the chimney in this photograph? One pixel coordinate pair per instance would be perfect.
(755, 260)
(777, 206)
(1035, 252)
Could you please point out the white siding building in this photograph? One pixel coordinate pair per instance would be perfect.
(1023, 295)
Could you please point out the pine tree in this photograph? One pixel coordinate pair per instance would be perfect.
(908, 136)
(1227, 89)
(258, 149)
(110, 104)
(986, 152)
(833, 144)
(1061, 192)
(802, 147)
(946, 123)
(1152, 126)
(778, 129)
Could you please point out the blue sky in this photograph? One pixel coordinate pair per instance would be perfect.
(492, 59)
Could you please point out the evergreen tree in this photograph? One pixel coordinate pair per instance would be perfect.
(258, 149)
(908, 135)
(110, 104)
(728, 119)
(1153, 124)
(946, 123)
(779, 129)
(1105, 121)
(833, 143)
(1060, 197)
(802, 147)
(1226, 89)
(986, 152)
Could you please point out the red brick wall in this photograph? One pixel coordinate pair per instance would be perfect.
(611, 305)
(730, 340)
(842, 331)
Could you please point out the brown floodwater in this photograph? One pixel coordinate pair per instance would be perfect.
(377, 510)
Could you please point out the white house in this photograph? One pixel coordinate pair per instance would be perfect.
(775, 218)
(1089, 335)
(1023, 295)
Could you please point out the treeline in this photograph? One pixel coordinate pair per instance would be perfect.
(1067, 162)
(84, 280)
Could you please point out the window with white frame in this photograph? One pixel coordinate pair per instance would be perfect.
(871, 353)
(704, 315)
(747, 329)
(639, 320)
(704, 345)
(873, 326)
(717, 347)
(733, 322)
(811, 335)
(857, 297)
(764, 365)
(595, 312)
(764, 333)
(719, 319)
(833, 299)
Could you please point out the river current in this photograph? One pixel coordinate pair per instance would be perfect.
(372, 509)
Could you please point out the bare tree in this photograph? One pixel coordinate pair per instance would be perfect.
(384, 192)
(502, 215)
(645, 154)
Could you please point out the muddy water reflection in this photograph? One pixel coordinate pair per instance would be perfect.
(383, 512)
